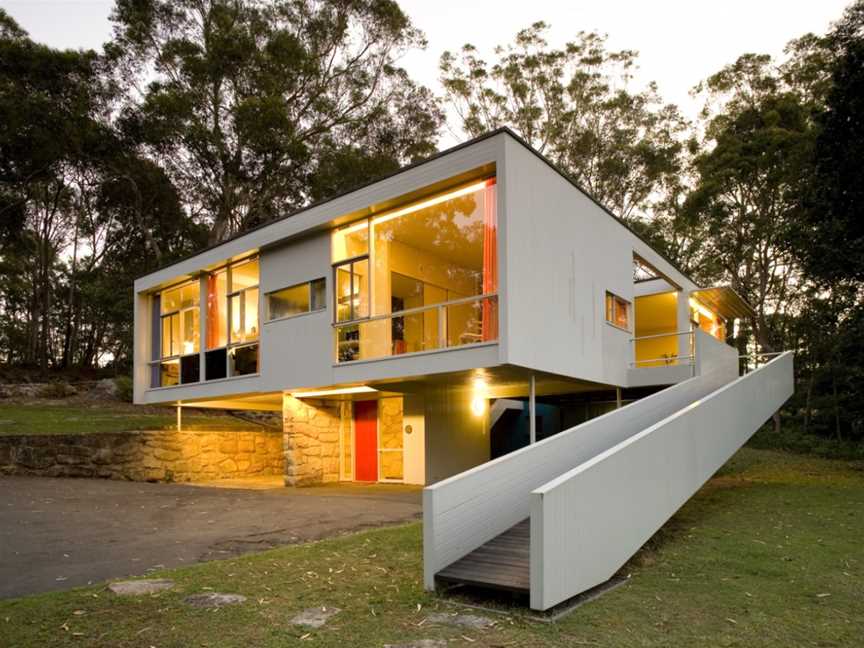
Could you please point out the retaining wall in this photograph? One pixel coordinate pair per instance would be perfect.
(145, 456)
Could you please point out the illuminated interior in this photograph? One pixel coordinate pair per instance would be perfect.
(433, 264)
(657, 315)
(231, 345)
(704, 318)
(179, 312)
(617, 311)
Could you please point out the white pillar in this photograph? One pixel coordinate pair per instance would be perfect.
(532, 410)
(179, 418)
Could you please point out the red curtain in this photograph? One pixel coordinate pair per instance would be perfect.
(490, 263)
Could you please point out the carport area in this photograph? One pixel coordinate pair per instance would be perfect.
(63, 533)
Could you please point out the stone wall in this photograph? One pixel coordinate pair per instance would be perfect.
(390, 435)
(311, 429)
(145, 456)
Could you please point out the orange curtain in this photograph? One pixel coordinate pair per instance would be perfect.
(212, 313)
(490, 263)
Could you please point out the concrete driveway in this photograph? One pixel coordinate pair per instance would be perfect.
(62, 533)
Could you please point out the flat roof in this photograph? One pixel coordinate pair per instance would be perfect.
(504, 130)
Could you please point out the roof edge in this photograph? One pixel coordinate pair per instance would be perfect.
(505, 130)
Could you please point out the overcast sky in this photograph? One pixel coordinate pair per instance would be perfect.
(680, 42)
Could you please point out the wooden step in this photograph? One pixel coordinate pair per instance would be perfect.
(501, 563)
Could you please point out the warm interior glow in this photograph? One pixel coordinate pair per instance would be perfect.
(695, 305)
(362, 389)
(437, 200)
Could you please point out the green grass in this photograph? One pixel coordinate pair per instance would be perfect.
(104, 417)
(769, 553)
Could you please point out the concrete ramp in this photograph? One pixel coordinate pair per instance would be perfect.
(581, 503)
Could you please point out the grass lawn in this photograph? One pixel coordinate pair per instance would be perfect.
(62, 418)
(769, 553)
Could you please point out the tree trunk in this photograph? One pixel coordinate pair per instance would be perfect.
(836, 405)
(68, 346)
(808, 411)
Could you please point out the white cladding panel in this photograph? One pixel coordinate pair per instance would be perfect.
(297, 351)
(563, 252)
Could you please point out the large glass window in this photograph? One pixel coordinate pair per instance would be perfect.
(296, 300)
(232, 327)
(428, 280)
(217, 309)
(179, 310)
(352, 290)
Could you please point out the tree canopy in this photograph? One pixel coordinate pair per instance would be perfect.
(246, 102)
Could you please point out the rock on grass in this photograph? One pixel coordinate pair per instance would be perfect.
(141, 587)
(469, 621)
(314, 617)
(213, 600)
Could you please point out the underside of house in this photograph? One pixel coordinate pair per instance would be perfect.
(478, 325)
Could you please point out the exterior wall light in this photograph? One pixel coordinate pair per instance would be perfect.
(478, 399)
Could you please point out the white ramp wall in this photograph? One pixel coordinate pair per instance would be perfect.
(469, 509)
(588, 522)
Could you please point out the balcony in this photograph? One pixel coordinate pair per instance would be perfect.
(446, 325)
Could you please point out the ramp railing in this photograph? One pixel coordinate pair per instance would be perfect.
(586, 523)
(467, 510)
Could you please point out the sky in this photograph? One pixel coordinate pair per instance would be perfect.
(680, 42)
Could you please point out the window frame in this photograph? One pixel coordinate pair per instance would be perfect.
(309, 288)
(617, 300)
(350, 262)
(202, 308)
(178, 356)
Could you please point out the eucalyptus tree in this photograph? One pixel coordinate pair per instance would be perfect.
(575, 105)
(250, 105)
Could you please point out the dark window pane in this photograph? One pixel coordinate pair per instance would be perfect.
(244, 360)
(216, 364)
(319, 294)
(190, 369)
(289, 301)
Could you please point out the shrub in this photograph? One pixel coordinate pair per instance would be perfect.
(124, 388)
(57, 390)
(792, 439)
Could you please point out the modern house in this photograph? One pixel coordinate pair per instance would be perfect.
(474, 312)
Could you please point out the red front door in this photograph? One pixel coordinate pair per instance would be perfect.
(366, 440)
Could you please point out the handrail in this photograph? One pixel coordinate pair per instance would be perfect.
(659, 335)
(668, 359)
(761, 355)
(417, 309)
(672, 360)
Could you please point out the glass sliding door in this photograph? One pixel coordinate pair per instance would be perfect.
(425, 277)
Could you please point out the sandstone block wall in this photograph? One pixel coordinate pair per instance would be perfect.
(390, 435)
(311, 429)
(145, 456)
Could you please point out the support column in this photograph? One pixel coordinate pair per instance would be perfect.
(617, 398)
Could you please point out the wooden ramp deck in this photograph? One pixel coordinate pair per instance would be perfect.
(502, 563)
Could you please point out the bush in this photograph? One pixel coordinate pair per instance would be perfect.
(57, 390)
(793, 439)
(124, 388)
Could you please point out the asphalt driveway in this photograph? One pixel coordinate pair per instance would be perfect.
(63, 533)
